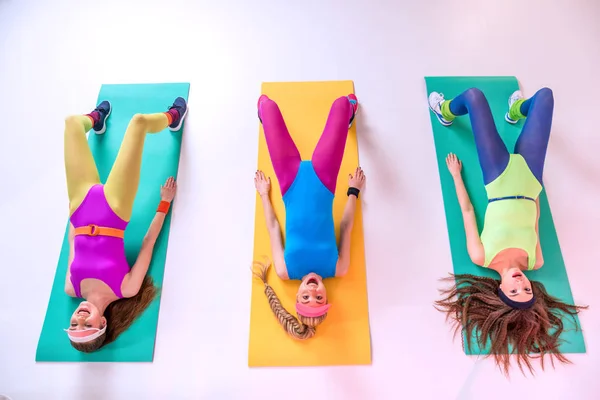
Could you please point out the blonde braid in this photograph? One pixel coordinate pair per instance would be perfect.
(293, 327)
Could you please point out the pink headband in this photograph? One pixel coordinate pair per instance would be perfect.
(311, 312)
(84, 336)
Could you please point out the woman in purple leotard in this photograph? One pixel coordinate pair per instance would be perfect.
(115, 294)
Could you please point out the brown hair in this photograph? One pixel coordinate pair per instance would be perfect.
(120, 315)
(299, 328)
(473, 306)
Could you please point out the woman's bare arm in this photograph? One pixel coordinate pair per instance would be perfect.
(135, 277)
(345, 235)
(357, 181)
(263, 187)
(539, 256)
(275, 238)
(474, 245)
(68, 285)
(133, 280)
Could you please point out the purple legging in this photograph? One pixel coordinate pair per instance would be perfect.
(531, 144)
(327, 156)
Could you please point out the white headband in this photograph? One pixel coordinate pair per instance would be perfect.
(85, 339)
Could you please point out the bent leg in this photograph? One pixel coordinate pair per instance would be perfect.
(80, 167)
(491, 150)
(284, 154)
(329, 152)
(122, 183)
(533, 140)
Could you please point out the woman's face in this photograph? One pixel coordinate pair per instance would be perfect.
(516, 286)
(312, 291)
(86, 316)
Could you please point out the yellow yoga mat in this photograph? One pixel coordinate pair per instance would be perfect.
(344, 337)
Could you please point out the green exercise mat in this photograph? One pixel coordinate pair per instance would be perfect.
(160, 160)
(458, 139)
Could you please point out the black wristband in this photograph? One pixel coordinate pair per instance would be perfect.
(354, 191)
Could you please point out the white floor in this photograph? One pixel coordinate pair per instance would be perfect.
(54, 55)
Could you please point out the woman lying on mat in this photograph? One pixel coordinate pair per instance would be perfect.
(512, 312)
(98, 270)
(307, 187)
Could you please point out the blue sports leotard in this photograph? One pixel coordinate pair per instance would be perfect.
(311, 245)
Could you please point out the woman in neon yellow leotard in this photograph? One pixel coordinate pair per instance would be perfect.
(513, 313)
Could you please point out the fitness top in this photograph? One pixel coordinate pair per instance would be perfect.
(310, 234)
(98, 257)
(511, 214)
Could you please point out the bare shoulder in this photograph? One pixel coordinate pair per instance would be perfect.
(478, 258)
(281, 269)
(69, 290)
(129, 287)
(341, 267)
(538, 264)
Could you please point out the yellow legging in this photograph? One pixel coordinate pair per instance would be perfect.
(122, 183)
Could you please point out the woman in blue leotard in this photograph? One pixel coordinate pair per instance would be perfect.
(311, 253)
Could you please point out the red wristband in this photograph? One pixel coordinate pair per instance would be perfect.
(163, 207)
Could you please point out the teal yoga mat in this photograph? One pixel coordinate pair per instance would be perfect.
(458, 139)
(160, 160)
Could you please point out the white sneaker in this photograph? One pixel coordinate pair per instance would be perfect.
(435, 104)
(517, 95)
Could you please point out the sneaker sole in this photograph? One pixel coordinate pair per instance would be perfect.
(439, 117)
(178, 127)
(509, 120)
(101, 131)
(506, 117)
(353, 118)
(355, 113)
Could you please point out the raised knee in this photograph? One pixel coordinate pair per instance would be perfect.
(341, 102)
(546, 94)
(474, 95)
(139, 119)
(268, 104)
(73, 125)
(72, 119)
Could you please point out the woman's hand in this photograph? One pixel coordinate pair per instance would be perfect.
(358, 180)
(167, 192)
(454, 165)
(262, 183)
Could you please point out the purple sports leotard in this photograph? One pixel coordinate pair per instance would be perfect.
(98, 257)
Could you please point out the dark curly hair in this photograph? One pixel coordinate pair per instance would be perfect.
(473, 306)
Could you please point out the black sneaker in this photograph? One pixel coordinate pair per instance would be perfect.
(104, 110)
(181, 106)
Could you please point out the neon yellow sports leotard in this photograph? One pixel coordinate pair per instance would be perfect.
(511, 223)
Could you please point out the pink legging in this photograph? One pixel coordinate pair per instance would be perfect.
(327, 156)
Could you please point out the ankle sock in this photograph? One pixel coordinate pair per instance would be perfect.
(515, 110)
(94, 116)
(88, 122)
(172, 115)
(445, 110)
